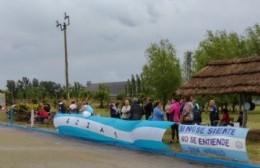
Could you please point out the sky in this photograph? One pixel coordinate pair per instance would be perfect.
(107, 39)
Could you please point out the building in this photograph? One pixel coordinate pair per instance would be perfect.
(115, 88)
(2, 99)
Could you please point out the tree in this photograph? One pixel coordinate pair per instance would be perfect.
(102, 94)
(11, 86)
(222, 45)
(129, 88)
(162, 72)
(218, 46)
(138, 85)
(133, 84)
(76, 90)
(35, 83)
(253, 40)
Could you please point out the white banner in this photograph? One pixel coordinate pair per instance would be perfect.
(228, 142)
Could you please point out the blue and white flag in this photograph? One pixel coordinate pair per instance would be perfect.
(228, 142)
(141, 134)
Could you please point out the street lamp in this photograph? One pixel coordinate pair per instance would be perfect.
(63, 27)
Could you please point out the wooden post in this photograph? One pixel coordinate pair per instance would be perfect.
(32, 118)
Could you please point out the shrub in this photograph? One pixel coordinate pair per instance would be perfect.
(22, 112)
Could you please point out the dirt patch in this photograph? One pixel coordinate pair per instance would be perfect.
(253, 135)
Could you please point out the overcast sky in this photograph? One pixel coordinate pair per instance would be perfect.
(107, 39)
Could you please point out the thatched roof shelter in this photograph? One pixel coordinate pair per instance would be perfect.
(225, 76)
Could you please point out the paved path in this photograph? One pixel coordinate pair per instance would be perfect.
(25, 149)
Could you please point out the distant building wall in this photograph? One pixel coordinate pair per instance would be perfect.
(2, 99)
(115, 88)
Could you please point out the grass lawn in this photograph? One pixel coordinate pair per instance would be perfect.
(253, 147)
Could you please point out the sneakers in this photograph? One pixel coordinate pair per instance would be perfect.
(172, 141)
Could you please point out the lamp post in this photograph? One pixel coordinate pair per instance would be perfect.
(63, 27)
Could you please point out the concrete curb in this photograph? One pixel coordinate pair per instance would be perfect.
(181, 155)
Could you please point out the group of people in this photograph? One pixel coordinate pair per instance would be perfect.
(43, 112)
(74, 109)
(127, 112)
(185, 110)
(155, 112)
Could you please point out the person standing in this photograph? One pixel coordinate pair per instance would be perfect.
(196, 112)
(174, 113)
(114, 111)
(187, 113)
(182, 104)
(213, 113)
(86, 107)
(125, 110)
(158, 113)
(167, 108)
(62, 108)
(225, 118)
(148, 108)
(136, 111)
(73, 107)
(240, 118)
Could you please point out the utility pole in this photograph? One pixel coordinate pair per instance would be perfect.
(63, 27)
(187, 65)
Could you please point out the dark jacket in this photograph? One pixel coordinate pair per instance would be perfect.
(136, 112)
(148, 109)
(197, 115)
(62, 108)
(114, 112)
(213, 115)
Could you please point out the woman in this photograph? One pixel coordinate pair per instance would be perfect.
(158, 114)
(187, 113)
(225, 119)
(174, 112)
(114, 111)
(125, 110)
(73, 107)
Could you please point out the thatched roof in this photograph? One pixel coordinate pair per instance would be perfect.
(225, 76)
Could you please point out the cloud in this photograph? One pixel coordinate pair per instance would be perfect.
(106, 39)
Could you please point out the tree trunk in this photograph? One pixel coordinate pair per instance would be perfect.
(242, 102)
(101, 103)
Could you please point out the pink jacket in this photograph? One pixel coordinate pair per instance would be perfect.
(175, 110)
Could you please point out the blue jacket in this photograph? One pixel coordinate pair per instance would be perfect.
(89, 109)
(158, 114)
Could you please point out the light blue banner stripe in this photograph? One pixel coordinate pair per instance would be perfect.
(88, 135)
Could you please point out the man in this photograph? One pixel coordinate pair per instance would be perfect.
(86, 107)
(148, 108)
(196, 112)
(62, 108)
(213, 114)
(136, 111)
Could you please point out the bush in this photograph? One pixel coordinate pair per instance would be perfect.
(22, 112)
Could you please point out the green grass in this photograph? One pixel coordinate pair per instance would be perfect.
(253, 147)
